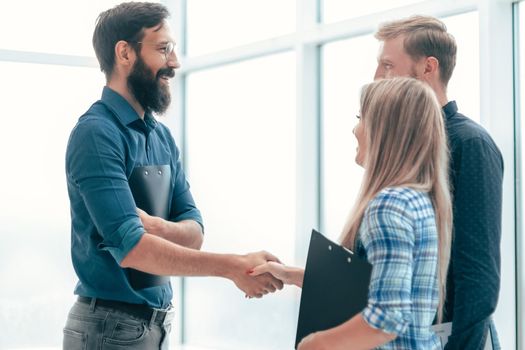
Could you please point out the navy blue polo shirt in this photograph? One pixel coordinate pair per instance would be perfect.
(107, 143)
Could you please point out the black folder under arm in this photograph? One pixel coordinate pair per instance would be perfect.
(335, 286)
(150, 186)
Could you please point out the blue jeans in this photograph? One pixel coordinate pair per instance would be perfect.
(90, 326)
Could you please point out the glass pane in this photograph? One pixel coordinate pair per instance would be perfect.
(464, 85)
(35, 269)
(521, 235)
(51, 26)
(337, 10)
(241, 165)
(217, 25)
(344, 73)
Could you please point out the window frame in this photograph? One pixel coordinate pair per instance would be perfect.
(496, 96)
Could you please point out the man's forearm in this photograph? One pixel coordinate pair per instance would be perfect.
(156, 255)
(186, 233)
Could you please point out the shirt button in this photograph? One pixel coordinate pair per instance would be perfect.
(160, 172)
(146, 173)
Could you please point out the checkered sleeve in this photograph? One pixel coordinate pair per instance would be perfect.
(387, 235)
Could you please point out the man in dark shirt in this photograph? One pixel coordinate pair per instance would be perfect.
(119, 158)
(420, 47)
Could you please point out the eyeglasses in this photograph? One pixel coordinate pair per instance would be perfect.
(166, 48)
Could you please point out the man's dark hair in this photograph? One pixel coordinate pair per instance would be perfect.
(127, 22)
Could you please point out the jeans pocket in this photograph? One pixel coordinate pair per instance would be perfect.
(74, 340)
(127, 333)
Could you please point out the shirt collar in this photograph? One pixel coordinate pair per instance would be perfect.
(122, 109)
(450, 109)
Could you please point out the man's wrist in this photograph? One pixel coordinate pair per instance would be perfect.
(227, 265)
(166, 227)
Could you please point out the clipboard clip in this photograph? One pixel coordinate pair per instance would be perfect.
(349, 259)
(348, 250)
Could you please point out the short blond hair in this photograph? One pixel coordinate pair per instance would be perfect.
(425, 36)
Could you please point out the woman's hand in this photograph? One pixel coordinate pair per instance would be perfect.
(287, 274)
(314, 341)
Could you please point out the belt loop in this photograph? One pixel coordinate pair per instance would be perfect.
(153, 317)
(92, 304)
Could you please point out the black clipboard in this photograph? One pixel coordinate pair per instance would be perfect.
(335, 286)
(150, 187)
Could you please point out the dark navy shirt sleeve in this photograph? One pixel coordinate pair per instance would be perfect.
(474, 275)
(96, 166)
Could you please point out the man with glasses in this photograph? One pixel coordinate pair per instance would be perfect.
(421, 47)
(119, 158)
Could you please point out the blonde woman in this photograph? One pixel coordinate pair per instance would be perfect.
(401, 221)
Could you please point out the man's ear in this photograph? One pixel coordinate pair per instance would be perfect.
(124, 54)
(431, 68)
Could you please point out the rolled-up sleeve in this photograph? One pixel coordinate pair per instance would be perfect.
(387, 236)
(183, 205)
(95, 165)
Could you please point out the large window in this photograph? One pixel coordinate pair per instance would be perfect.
(262, 131)
(464, 84)
(241, 164)
(520, 106)
(344, 73)
(218, 25)
(51, 26)
(337, 10)
(41, 105)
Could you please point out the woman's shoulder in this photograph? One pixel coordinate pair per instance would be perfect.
(401, 200)
(402, 194)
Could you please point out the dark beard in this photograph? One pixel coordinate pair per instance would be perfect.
(147, 89)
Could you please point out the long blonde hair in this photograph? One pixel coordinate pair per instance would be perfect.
(406, 146)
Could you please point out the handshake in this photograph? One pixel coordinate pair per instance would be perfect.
(262, 273)
(256, 274)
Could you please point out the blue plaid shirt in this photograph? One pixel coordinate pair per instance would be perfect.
(398, 236)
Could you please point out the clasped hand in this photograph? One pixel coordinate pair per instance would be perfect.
(248, 272)
(255, 286)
